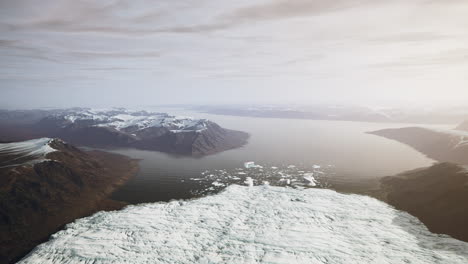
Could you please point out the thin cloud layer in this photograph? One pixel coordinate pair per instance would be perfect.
(306, 51)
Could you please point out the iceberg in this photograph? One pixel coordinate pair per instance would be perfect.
(251, 164)
(309, 177)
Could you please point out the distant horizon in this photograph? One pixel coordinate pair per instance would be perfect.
(246, 104)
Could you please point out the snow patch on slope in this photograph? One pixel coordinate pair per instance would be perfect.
(135, 120)
(33, 151)
(260, 224)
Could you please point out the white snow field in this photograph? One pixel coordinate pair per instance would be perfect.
(25, 152)
(261, 224)
(31, 147)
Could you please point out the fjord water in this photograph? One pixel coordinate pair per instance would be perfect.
(353, 154)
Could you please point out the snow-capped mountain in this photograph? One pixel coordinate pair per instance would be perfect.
(26, 152)
(46, 183)
(261, 224)
(135, 129)
(130, 121)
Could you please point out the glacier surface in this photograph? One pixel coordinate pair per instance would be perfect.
(260, 224)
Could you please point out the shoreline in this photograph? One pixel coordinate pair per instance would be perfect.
(436, 195)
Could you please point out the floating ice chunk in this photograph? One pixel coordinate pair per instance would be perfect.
(310, 178)
(249, 182)
(266, 183)
(217, 184)
(288, 181)
(274, 168)
(241, 173)
(291, 166)
(249, 164)
(316, 166)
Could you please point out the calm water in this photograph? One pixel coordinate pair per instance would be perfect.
(353, 154)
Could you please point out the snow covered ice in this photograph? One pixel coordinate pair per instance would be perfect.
(310, 178)
(251, 165)
(260, 224)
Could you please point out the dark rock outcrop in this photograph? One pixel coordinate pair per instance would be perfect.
(437, 195)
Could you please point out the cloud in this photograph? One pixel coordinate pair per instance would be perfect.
(94, 54)
(281, 9)
(315, 48)
(451, 57)
(92, 16)
(411, 37)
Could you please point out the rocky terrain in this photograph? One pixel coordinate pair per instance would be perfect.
(115, 128)
(47, 183)
(437, 195)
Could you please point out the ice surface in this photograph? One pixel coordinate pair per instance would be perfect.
(310, 178)
(249, 164)
(249, 182)
(261, 224)
(296, 176)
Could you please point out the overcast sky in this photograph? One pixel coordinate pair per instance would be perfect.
(137, 52)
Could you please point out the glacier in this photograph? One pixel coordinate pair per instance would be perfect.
(260, 224)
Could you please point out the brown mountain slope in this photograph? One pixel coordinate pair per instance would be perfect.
(437, 195)
(443, 146)
(40, 195)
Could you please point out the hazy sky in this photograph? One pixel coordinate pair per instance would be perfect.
(142, 52)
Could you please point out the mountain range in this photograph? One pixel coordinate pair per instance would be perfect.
(122, 128)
